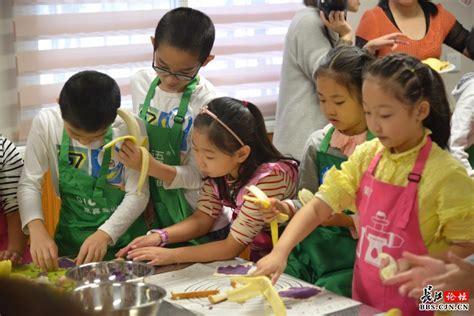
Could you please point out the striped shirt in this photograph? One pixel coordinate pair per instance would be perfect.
(10, 170)
(249, 221)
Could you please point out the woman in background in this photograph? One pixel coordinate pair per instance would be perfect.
(426, 27)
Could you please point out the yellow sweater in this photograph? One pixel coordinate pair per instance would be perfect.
(445, 192)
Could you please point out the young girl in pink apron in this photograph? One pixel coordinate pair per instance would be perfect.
(411, 195)
(10, 169)
(232, 149)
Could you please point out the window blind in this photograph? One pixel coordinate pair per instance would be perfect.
(56, 38)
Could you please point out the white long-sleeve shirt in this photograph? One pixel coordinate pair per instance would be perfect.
(41, 154)
(462, 121)
(10, 170)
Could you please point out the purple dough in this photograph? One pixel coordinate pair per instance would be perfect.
(239, 269)
(299, 292)
(65, 263)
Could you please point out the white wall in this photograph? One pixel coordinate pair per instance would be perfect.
(8, 95)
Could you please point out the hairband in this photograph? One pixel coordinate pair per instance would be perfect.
(205, 110)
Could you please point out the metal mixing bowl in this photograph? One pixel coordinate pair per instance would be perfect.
(115, 270)
(120, 298)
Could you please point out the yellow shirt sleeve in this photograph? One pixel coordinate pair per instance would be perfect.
(340, 187)
(455, 203)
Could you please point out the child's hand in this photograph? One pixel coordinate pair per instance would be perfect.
(94, 248)
(155, 255)
(44, 251)
(140, 242)
(12, 255)
(270, 214)
(392, 39)
(417, 268)
(130, 155)
(336, 22)
(271, 265)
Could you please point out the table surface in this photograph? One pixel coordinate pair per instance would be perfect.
(169, 309)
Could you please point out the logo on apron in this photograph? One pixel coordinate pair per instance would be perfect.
(90, 207)
(377, 238)
(115, 170)
(77, 157)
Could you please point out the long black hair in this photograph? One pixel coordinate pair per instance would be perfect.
(346, 65)
(246, 121)
(411, 81)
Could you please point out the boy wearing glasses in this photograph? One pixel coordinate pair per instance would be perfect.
(168, 98)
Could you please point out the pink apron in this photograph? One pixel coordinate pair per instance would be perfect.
(4, 237)
(388, 223)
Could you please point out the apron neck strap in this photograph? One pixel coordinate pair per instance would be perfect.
(149, 96)
(177, 128)
(104, 167)
(183, 104)
(64, 148)
(326, 140)
(373, 164)
(415, 175)
(408, 199)
(98, 191)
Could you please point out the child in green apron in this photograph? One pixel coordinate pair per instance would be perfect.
(169, 96)
(326, 257)
(100, 206)
(232, 148)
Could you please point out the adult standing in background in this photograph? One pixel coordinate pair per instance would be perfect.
(310, 36)
(426, 27)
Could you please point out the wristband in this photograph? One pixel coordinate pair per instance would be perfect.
(163, 235)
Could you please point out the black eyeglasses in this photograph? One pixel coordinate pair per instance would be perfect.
(165, 72)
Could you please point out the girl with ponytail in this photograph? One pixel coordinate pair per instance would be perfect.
(410, 193)
(232, 150)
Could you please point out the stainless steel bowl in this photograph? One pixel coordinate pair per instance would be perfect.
(120, 298)
(115, 270)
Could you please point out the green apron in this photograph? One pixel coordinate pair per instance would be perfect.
(470, 152)
(86, 203)
(170, 206)
(326, 257)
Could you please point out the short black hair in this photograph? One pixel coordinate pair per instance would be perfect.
(89, 101)
(187, 29)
